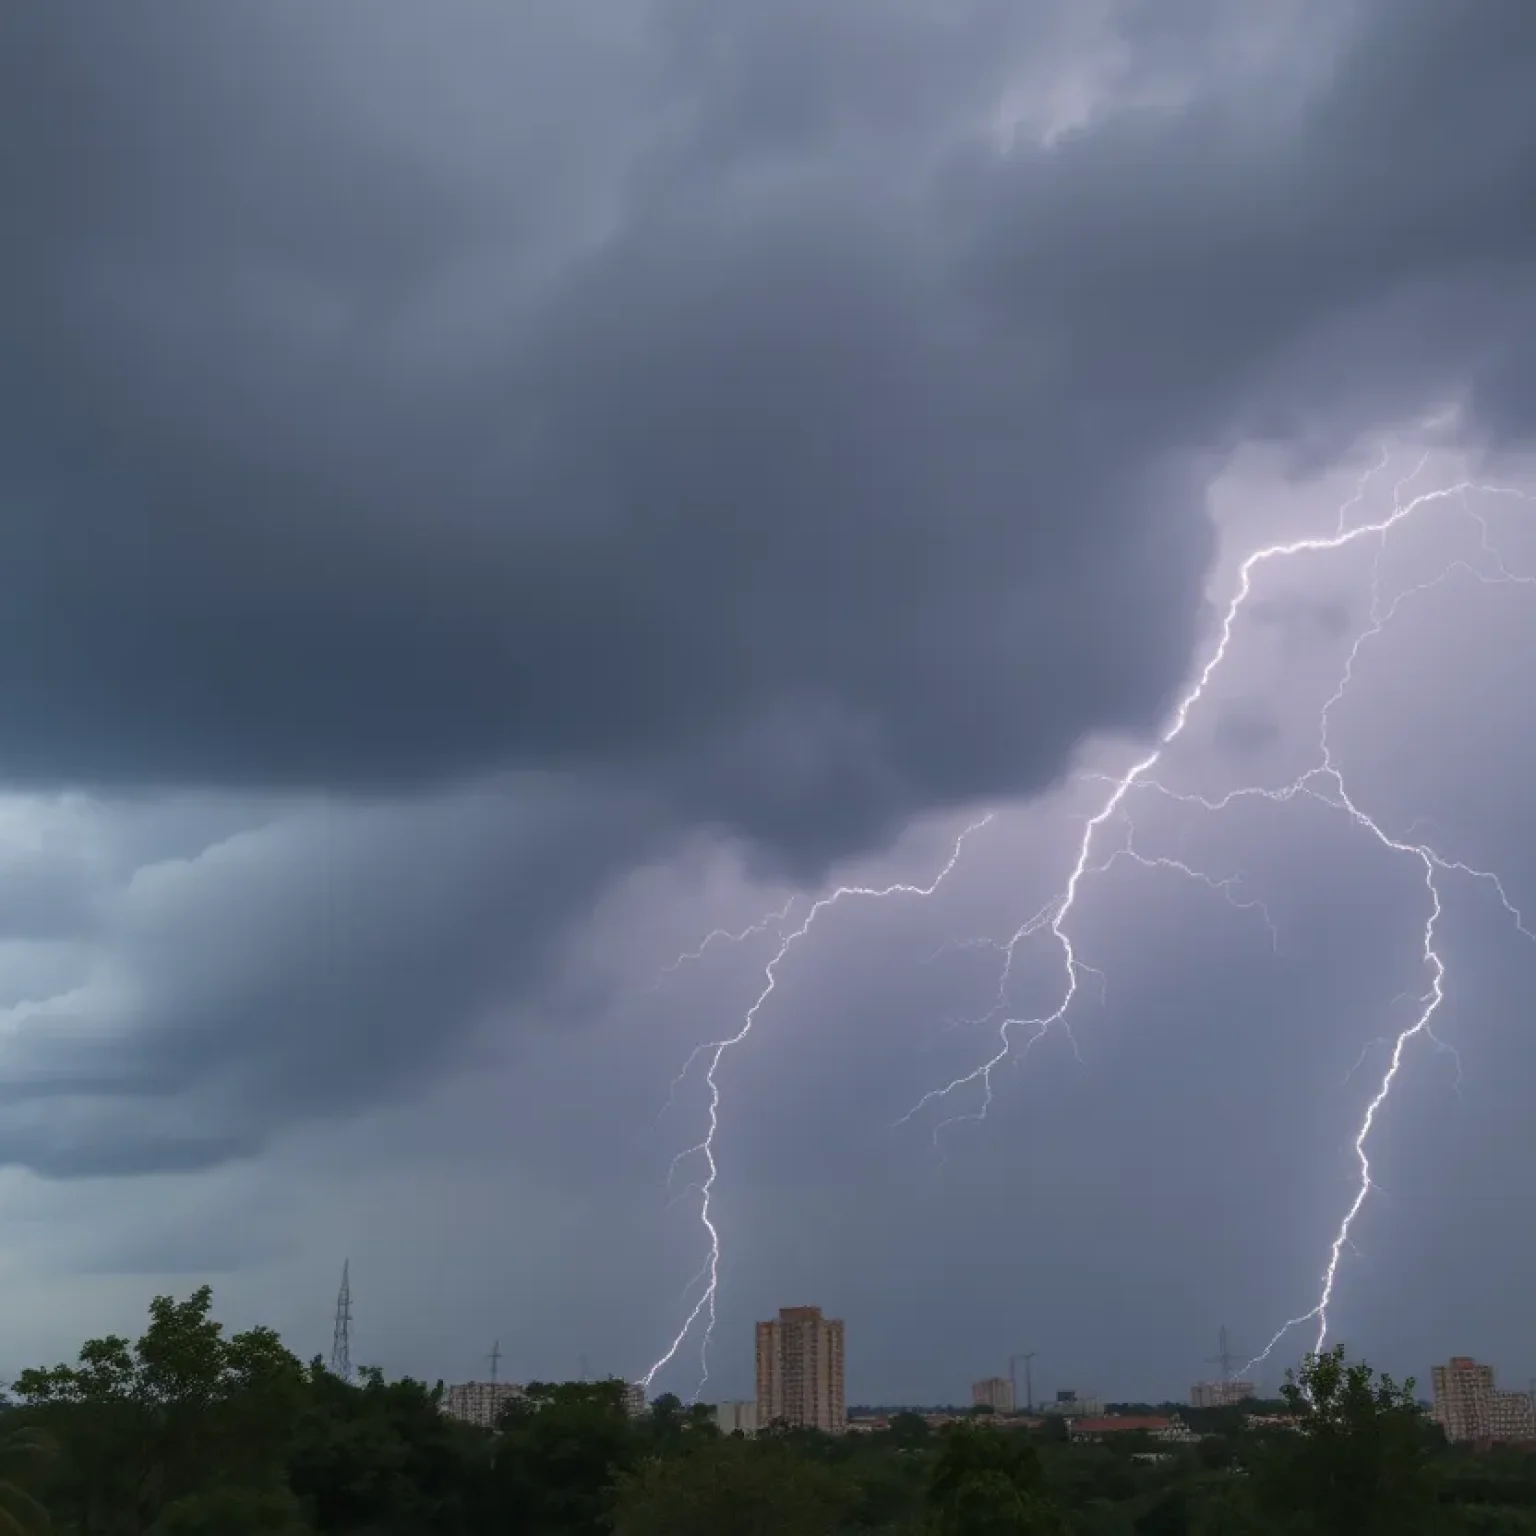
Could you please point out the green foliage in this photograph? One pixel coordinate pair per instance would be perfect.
(989, 1483)
(379, 1457)
(20, 1449)
(188, 1432)
(771, 1489)
(141, 1426)
(909, 1429)
(1361, 1463)
(561, 1448)
(233, 1512)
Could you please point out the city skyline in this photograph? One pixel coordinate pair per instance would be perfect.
(1461, 1392)
(475, 1396)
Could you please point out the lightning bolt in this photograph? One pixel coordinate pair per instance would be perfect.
(779, 915)
(709, 1274)
(1324, 782)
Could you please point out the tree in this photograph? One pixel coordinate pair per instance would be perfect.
(560, 1451)
(1360, 1465)
(20, 1513)
(762, 1487)
(988, 1482)
(381, 1457)
(233, 1512)
(909, 1429)
(1229, 1512)
(670, 1422)
(140, 1426)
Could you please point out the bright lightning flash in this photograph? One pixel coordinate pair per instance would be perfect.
(709, 1275)
(1324, 782)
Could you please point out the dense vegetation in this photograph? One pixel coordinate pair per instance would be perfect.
(193, 1433)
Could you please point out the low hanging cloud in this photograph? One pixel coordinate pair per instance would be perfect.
(310, 961)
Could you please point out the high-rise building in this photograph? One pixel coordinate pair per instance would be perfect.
(996, 1393)
(800, 1370)
(1220, 1394)
(479, 1402)
(1463, 1398)
(1468, 1407)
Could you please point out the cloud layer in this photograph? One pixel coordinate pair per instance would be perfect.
(459, 469)
(849, 467)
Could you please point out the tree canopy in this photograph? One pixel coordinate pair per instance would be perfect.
(190, 1431)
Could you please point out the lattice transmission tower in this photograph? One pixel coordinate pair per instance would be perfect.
(1224, 1356)
(341, 1338)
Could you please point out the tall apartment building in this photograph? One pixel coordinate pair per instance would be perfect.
(479, 1402)
(1468, 1407)
(800, 1370)
(996, 1393)
(1464, 1399)
(1220, 1394)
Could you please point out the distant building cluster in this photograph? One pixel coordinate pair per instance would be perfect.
(479, 1402)
(800, 1371)
(800, 1382)
(1220, 1394)
(1471, 1410)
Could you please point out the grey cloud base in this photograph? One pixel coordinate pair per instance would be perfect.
(298, 963)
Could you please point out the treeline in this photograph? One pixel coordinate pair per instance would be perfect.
(190, 1432)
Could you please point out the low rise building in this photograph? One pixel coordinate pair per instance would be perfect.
(1512, 1417)
(1169, 1428)
(1264, 1421)
(1070, 1405)
(736, 1417)
(479, 1402)
(1220, 1394)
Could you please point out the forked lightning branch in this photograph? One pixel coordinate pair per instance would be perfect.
(1324, 782)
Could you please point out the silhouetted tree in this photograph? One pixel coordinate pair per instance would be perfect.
(1360, 1465)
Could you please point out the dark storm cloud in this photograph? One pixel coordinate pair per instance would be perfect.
(830, 486)
(302, 968)
(682, 401)
(1221, 269)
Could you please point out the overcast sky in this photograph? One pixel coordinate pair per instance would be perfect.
(492, 493)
